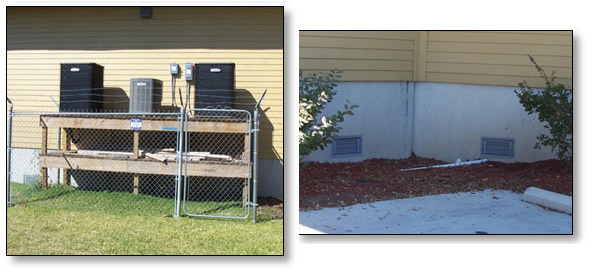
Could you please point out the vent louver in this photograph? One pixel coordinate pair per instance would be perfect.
(497, 147)
(347, 146)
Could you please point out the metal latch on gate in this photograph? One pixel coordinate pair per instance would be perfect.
(251, 204)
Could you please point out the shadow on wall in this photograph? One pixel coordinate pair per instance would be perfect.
(115, 99)
(116, 28)
(246, 101)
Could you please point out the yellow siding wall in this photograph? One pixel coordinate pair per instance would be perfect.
(497, 58)
(486, 57)
(39, 39)
(362, 55)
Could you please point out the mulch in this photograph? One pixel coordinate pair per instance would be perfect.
(325, 185)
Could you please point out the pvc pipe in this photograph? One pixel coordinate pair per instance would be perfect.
(457, 163)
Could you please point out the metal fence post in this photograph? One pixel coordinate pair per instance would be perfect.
(179, 164)
(255, 130)
(255, 159)
(8, 154)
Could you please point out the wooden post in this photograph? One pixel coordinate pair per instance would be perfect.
(135, 156)
(43, 152)
(136, 184)
(246, 156)
(66, 146)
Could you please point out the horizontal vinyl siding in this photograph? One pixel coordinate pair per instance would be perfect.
(498, 58)
(361, 55)
(39, 39)
(472, 57)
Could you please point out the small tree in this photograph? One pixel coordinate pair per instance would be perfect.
(554, 106)
(316, 90)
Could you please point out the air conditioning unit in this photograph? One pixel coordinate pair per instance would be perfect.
(146, 95)
(81, 87)
(214, 85)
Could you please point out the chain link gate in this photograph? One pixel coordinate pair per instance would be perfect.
(217, 163)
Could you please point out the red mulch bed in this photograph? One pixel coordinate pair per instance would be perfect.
(342, 184)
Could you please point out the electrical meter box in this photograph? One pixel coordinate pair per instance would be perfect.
(174, 68)
(189, 71)
(146, 95)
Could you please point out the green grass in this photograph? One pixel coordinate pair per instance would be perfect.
(72, 222)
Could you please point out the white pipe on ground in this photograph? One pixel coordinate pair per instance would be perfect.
(457, 163)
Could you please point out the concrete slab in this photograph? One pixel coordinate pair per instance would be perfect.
(489, 211)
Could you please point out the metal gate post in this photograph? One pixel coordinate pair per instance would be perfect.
(8, 154)
(255, 130)
(179, 164)
(255, 159)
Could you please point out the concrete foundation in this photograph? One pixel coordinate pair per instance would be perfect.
(435, 120)
(450, 119)
(383, 119)
(271, 178)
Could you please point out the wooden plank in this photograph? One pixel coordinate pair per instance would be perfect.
(147, 125)
(142, 166)
(135, 155)
(43, 152)
(107, 153)
(136, 184)
(67, 145)
(198, 126)
(247, 150)
(157, 157)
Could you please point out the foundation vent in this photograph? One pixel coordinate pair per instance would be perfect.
(497, 147)
(347, 146)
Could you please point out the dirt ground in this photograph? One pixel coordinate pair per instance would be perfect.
(270, 207)
(343, 184)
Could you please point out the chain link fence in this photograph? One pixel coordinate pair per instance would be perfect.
(197, 163)
(93, 160)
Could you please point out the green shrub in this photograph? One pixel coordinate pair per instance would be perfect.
(316, 90)
(554, 106)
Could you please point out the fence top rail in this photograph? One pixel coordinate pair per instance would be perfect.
(148, 124)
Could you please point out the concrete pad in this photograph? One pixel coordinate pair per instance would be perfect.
(489, 211)
(548, 199)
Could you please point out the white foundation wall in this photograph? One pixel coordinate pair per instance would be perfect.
(383, 119)
(270, 181)
(450, 119)
(445, 121)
